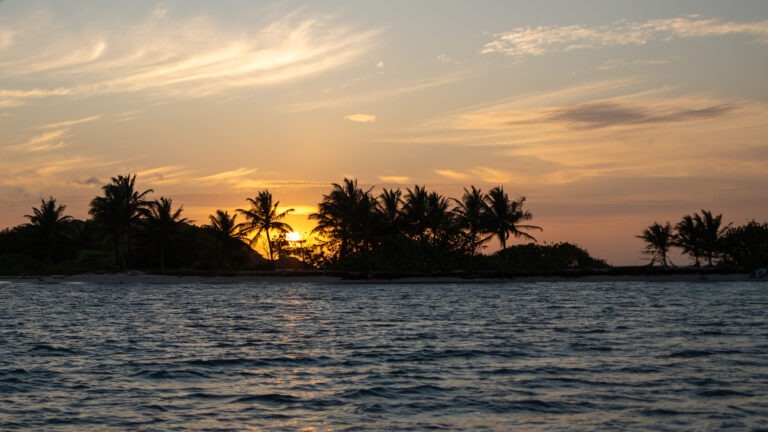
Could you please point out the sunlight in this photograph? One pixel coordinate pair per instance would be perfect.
(293, 236)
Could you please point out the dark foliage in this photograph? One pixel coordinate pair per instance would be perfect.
(746, 246)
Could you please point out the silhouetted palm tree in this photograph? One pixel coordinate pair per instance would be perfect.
(164, 224)
(49, 219)
(225, 225)
(415, 208)
(659, 239)
(470, 215)
(711, 233)
(118, 211)
(230, 240)
(349, 216)
(503, 216)
(390, 203)
(688, 237)
(439, 216)
(263, 217)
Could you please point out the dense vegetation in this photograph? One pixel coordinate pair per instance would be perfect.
(705, 239)
(395, 231)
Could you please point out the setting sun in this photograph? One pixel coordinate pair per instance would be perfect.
(293, 236)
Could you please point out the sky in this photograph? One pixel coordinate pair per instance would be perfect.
(605, 115)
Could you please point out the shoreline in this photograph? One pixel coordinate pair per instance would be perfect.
(137, 277)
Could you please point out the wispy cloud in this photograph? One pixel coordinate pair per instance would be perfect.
(227, 175)
(55, 137)
(90, 181)
(395, 179)
(535, 41)
(69, 123)
(451, 174)
(608, 113)
(567, 135)
(181, 58)
(482, 173)
(45, 141)
(361, 118)
(12, 97)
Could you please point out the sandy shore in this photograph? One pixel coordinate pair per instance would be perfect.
(143, 278)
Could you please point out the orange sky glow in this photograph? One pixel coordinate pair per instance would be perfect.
(605, 118)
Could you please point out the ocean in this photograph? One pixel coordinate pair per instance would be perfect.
(391, 357)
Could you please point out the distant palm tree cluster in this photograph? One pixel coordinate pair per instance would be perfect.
(411, 230)
(355, 221)
(704, 237)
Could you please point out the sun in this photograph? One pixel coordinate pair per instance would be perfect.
(293, 236)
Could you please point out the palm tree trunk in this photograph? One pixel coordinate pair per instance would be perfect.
(269, 246)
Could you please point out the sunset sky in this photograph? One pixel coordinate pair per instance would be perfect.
(607, 116)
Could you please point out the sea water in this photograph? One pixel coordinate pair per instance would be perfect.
(313, 356)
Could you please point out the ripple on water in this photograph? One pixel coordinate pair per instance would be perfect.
(484, 356)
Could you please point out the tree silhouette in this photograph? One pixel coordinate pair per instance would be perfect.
(164, 224)
(228, 236)
(711, 233)
(503, 216)
(688, 237)
(439, 217)
(49, 220)
(390, 206)
(415, 208)
(225, 225)
(337, 214)
(470, 215)
(263, 217)
(659, 239)
(118, 211)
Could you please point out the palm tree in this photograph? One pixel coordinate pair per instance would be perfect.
(390, 202)
(688, 237)
(350, 217)
(228, 236)
(263, 217)
(439, 215)
(49, 219)
(163, 223)
(225, 225)
(470, 214)
(118, 211)
(503, 216)
(659, 239)
(711, 233)
(415, 208)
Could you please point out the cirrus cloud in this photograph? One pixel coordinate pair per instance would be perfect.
(168, 57)
(536, 41)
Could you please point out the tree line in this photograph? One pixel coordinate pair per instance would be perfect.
(414, 230)
(706, 239)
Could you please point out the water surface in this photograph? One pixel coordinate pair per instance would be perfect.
(303, 356)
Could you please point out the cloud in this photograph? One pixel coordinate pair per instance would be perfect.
(45, 141)
(536, 41)
(13, 98)
(227, 175)
(90, 181)
(451, 174)
(53, 139)
(69, 123)
(177, 58)
(608, 113)
(394, 179)
(361, 118)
